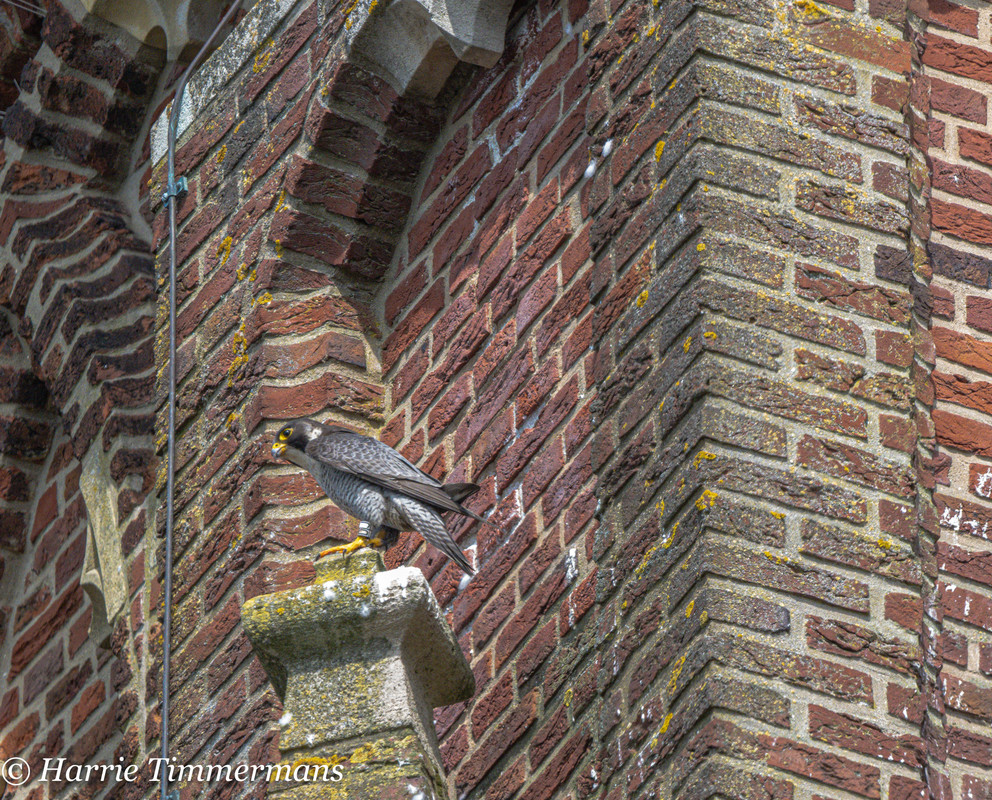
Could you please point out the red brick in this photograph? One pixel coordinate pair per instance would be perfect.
(975, 144)
(894, 348)
(961, 222)
(890, 93)
(854, 41)
(845, 731)
(963, 434)
(413, 324)
(89, 701)
(958, 101)
(497, 743)
(966, 606)
(55, 617)
(959, 58)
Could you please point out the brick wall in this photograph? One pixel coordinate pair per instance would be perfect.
(487, 356)
(748, 264)
(692, 289)
(76, 365)
(956, 75)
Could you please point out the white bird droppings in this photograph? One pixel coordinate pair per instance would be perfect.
(571, 565)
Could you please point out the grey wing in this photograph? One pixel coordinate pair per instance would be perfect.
(378, 463)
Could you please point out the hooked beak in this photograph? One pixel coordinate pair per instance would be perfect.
(278, 448)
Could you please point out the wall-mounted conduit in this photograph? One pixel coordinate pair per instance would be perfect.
(173, 189)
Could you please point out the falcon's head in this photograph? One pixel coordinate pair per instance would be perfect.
(293, 438)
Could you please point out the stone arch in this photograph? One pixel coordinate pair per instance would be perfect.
(171, 25)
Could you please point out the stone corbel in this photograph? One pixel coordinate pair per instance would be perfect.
(103, 577)
(361, 657)
(415, 44)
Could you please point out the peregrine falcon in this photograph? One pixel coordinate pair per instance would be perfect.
(371, 481)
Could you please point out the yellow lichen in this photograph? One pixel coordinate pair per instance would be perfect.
(706, 500)
(262, 59)
(239, 345)
(665, 724)
(671, 537)
(701, 246)
(224, 251)
(702, 456)
(689, 608)
(642, 298)
(568, 697)
(676, 672)
(709, 335)
(810, 10)
(659, 149)
(687, 344)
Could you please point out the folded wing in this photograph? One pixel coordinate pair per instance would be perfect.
(378, 463)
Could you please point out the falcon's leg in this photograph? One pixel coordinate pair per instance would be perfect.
(363, 531)
(390, 536)
(360, 541)
(355, 544)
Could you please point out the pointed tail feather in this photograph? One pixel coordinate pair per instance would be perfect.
(441, 539)
(428, 523)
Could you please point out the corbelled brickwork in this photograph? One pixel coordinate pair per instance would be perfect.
(696, 290)
(76, 317)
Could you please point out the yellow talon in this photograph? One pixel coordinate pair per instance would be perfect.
(355, 544)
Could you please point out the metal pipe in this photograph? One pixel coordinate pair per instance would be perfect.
(173, 189)
(24, 6)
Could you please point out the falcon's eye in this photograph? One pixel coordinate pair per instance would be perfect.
(286, 433)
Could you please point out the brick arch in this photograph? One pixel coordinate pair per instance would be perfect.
(341, 195)
(19, 40)
(77, 280)
(78, 272)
